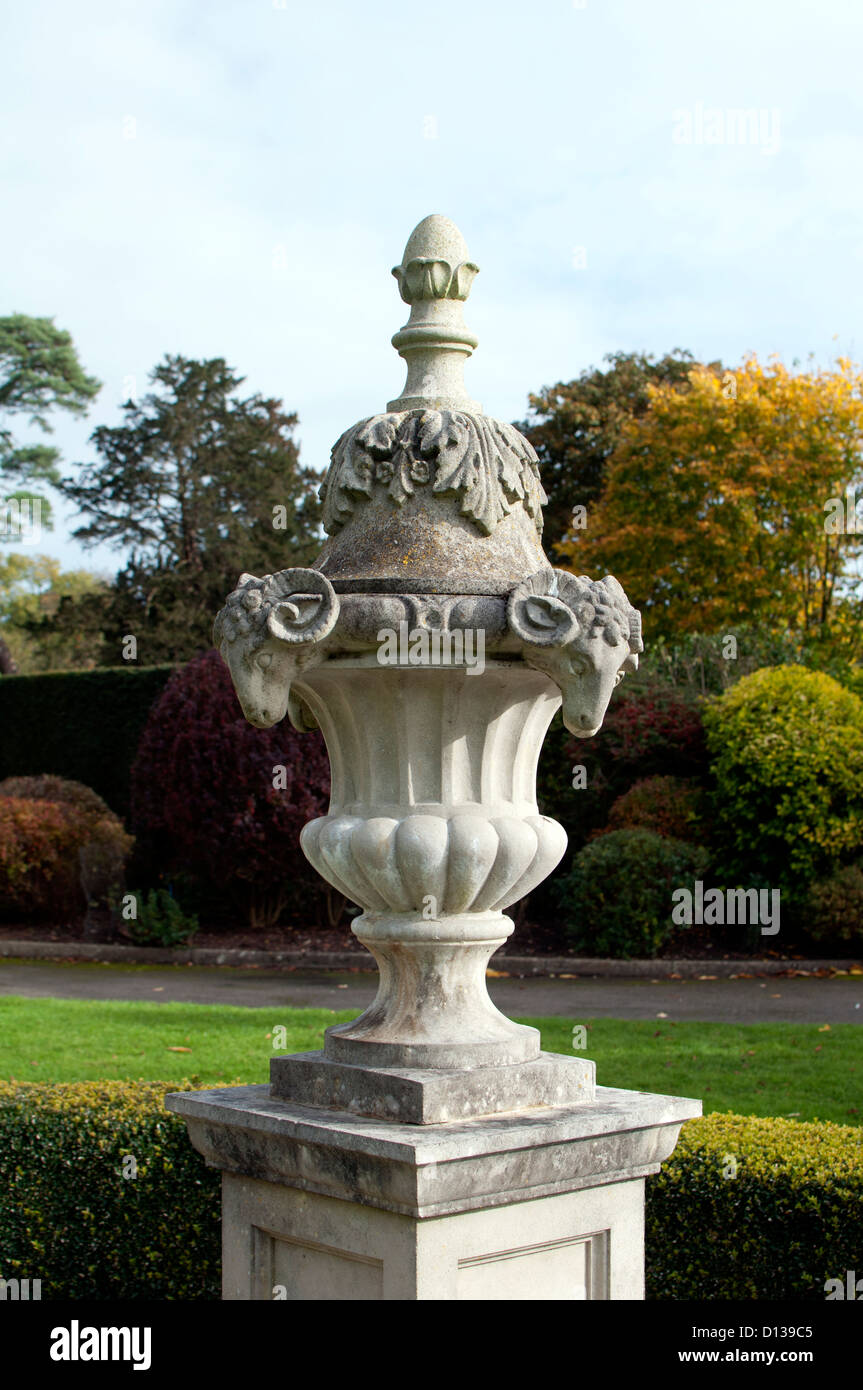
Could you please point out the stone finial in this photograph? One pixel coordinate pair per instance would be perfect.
(434, 278)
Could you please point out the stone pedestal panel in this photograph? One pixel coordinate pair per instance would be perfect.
(304, 1247)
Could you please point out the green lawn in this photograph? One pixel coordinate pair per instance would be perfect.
(754, 1069)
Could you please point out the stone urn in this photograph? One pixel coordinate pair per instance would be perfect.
(431, 1150)
(432, 643)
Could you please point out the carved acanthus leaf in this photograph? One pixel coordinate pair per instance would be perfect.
(488, 465)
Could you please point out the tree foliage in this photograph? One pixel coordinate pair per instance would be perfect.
(34, 591)
(61, 847)
(39, 373)
(714, 508)
(576, 427)
(208, 796)
(197, 485)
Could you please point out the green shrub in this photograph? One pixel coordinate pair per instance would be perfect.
(834, 908)
(786, 749)
(616, 898)
(161, 921)
(670, 806)
(69, 1217)
(790, 1219)
(83, 725)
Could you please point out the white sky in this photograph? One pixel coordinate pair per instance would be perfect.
(281, 153)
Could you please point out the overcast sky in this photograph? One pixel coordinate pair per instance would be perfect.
(235, 178)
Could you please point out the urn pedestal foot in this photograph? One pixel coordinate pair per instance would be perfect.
(421, 1096)
(432, 1047)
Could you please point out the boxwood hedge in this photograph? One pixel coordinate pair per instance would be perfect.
(746, 1207)
(79, 1215)
(755, 1208)
(84, 725)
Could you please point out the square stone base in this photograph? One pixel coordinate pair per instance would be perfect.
(284, 1244)
(543, 1203)
(420, 1096)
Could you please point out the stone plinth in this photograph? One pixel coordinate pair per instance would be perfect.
(542, 1204)
(431, 1150)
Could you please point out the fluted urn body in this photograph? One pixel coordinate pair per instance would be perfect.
(431, 643)
(433, 830)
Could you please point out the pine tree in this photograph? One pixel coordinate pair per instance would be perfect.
(198, 485)
(39, 372)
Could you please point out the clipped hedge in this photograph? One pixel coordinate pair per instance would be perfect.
(70, 1217)
(790, 1219)
(84, 725)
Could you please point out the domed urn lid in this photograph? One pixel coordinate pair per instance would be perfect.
(432, 496)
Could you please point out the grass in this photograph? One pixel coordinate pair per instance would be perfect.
(802, 1070)
(805, 1071)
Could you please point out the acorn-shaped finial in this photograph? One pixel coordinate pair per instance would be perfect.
(434, 278)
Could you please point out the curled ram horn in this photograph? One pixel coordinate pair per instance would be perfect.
(583, 633)
(303, 606)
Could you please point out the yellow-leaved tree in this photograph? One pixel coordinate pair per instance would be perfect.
(731, 502)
